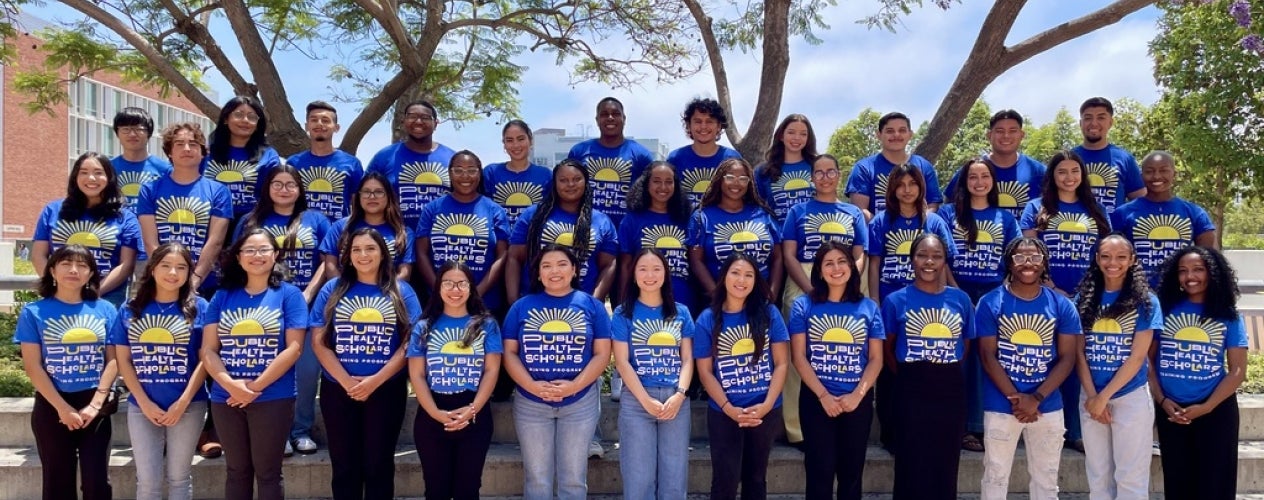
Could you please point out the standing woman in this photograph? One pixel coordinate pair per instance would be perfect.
(1199, 362)
(374, 205)
(239, 152)
(785, 178)
(253, 335)
(928, 328)
(1119, 316)
(742, 358)
(653, 351)
(658, 218)
(63, 339)
(453, 362)
(156, 344)
(359, 323)
(892, 230)
(557, 344)
(91, 215)
(837, 348)
(517, 183)
(734, 218)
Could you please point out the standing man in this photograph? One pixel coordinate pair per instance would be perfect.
(329, 175)
(612, 160)
(705, 120)
(417, 166)
(867, 184)
(1018, 176)
(1112, 171)
(136, 167)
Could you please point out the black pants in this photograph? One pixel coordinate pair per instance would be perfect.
(362, 437)
(884, 404)
(930, 410)
(452, 462)
(254, 441)
(62, 450)
(1200, 460)
(740, 454)
(834, 447)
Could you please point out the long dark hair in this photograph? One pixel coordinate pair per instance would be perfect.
(537, 286)
(235, 276)
(820, 290)
(385, 282)
(678, 206)
(1221, 301)
(961, 198)
(1023, 241)
(893, 202)
(148, 285)
(1083, 193)
(392, 214)
(76, 204)
(756, 306)
(48, 286)
(1134, 296)
(776, 157)
(583, 221)
(633, 291)
(265, 205)
(222, 135)
(713, 194)
(479, 315)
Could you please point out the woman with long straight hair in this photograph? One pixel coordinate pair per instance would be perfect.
(359, 325)
(253, 335)
(741, 351)
(91, 215)
(374, 205)
(658, 218)
(63, 338)
(156, 344)
(239, 154)
(731, 218)
(453, 361)
(785, 178)
(891, 231)
(653, 352)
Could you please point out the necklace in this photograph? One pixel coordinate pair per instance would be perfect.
(165, 308)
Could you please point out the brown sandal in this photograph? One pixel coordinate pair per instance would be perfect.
(970, 442)
(208, 448)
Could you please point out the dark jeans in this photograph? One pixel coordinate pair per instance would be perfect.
(452, 461)
(62, 450)
(1200, 460)
(931, 410)
(254, 440)
(362, 437)
(834, 447)
(740, 454)
(884, 404)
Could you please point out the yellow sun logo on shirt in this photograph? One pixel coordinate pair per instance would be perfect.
(663, 236)
(1012, 194)
(656, 332)
(87, 233)
(697, 181)
(250, 321)
(1190, 327)
(736, 341)
(900, 241)
(563, 233)
(365, 310)
(460, 225)
(159, 329)
(518, 194)
(424, 173)
(837, 329)
(130, 182)
(1127, 323)
(74, 329)
(323, 179)
(741, 232)
(1102, 175)
(1026, 329)
(233, 171)
(1163, 227)
(448, 341)
(937, 323)
(793, 181)
(988, 232)
(183, 210)
(551, 320)
(880, 187)
(1067, 222)
(609, 169)
(834, 223)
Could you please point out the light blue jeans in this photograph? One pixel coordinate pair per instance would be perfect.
(654, 454)
(306, 378)
(555, 444)
(180, 443)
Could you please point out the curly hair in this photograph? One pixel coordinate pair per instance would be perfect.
(583, 222)
(756, 306)
(1083, 193)
(820, 290)
(633, 291)
(1221, 301)
(678, 206)
(1134, 296)
(706, 106)
(714, 191)
(961, 198)
(776, 157)
(1012, 249)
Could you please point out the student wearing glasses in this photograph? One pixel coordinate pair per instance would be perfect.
(733, 218)
(416, 168)
(239, 152)
(373, 205)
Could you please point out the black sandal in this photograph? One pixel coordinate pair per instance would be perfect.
(970, 442)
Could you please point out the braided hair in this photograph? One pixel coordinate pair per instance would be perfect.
(583, 222)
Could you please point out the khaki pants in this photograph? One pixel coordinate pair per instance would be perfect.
(790, 393)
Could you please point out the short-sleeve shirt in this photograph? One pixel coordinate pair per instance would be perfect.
(1109, 343)
(1158, 229)
(242, 176)
(696, 171)
(329, 181)
(105, 239)
(1070, 236)
(745, 378)
(164, 347)
(251, 332)
(304, 258)
(461, 231)
(1026, 334)
(559, 228)
(929, 327)
(1017, 184)
(71, 337)
(418, 178)
(647, 229)
(364, 325)
(891, 241)
(183, 212)
(329, 246)
(555, 336)
(515, 191)
(1193, 352)
(134, 174)
(812, 223)
(451, 366)
(719, 233)
(611, 172)
(869, 177)
(1112, 173)
(793, 187)
(982, 263)
(653, 342)
(837, 336)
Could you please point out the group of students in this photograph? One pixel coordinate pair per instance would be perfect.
(1010, 310)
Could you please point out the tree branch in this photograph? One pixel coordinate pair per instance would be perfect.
(772, 79)
(376, 107)
(718, 71)
(268, 84)
(1072, 29)
(188, 25)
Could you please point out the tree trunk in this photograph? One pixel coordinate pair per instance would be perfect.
(772, 82)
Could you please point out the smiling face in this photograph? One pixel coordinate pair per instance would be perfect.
(928, 260)
(836, 268)
(825, 175)
(979, 180)
(569, 184)
(321, 125)
(1158, 173)
(662, 184)
(1095, 123)
(92, 178)
(556, 272)
(740, 280)
(517, 142)
(284, 190)
(257, 255)
(895, 135)
(1068, 175)
(1030, 271)
(795, 137)
(243, 121)
(419, 122)
(907, 191)
(466, 174)
(1115, 258)
(366, 255)
(454, 288)
(703, 128)
(735, 182)
(186, 151)
(1192, 273)
(171, 273)
(649, 273)
(610, 119)
(1006, 136)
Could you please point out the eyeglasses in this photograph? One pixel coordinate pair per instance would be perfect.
(132, 130)
(465, 171)
(825, 174)
(454, 285)
(1022, 258)
(261, 251)
(738, 178)
(284, 186)
(376, 193)
(415, 117)
(245, 115)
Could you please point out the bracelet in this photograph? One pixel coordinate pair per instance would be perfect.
(1164, 400)
(103, 391)
(822, 394)
(725, 405)
(1039, 397)
(94, 406)
(681, 390)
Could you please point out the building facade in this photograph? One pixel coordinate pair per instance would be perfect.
(551, 145)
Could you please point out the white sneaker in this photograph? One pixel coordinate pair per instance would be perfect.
(289, 449)
(305, 445)
(595, 450)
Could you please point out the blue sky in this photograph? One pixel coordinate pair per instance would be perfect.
(853, 68)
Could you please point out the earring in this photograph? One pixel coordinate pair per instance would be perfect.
(54, 283)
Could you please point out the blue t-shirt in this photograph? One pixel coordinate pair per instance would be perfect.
(792, 188)
(745, 380)
(981, 264)
(555, 336)
(164, 346)
(242, 177)
(515, 191)
(329, 181)
(869, 177)
(1193, 351)
(647, 229)
(71, 339)
(304, 259)
(1070, 236)
(653, 342)
(892, 243)
(363, 325)
(462, 231)
(134, 174)
(611, 172)
(696, 171)
(450, 367)
(1026, 334)
(929, 327)
(1158, 229)
(251, 333)
(1017, 184)
(1109, 343)
(559, 228)
(419, 178)
(183, 212)
(329, 245)
(1112, 173)
(811, 223)
(751, 231)
(104, 238)
(838, 335)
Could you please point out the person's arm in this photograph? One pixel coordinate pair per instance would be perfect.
(992, 367)
(518, 372)
(329, 360)
(119, 275)
(40, 250)
(210, 251)
(32, 363)
(706, 375)
(677, 400)
(777, 273)
(591, 372)
(794, 269)
(197, 381)
(313, 287)
(404, 272)
(331, 266)
(632, 382)
(1066, 346)
(424, 265)
(861, 201)
(1228, 386)
(1096, 403)
(494, 271)
(148, 231)
(513, 278)
(215, 368)
(1137, 194)
(106, 383)
(875, 277)
(283, 361)
(780, 365)
(1207, 239)
(606, 263)
(425, 399)
(367, 385)
(799, 354)
(625, 274)
(858, 256)
(123, 356)
(697, 263)
(868, 378)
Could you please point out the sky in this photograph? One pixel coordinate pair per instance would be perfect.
(854, 67)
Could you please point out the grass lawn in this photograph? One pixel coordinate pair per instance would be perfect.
(23, 267)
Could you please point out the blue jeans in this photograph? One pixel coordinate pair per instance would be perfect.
(306, 379)
(179, 441)
(1070, 410)
(554, 443)
(654, 454)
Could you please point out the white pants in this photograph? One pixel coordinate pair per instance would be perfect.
(1117, 456)
(1044, 452)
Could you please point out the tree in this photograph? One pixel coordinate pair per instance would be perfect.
(1062, 133)
(854, 140)
(969, 141)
